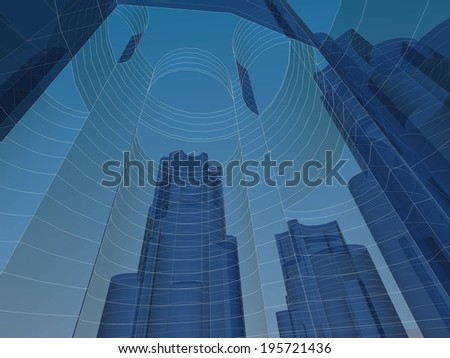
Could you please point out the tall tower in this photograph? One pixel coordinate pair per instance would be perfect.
(426, 297)
(188, 281)
(396, 123)
(333, 289)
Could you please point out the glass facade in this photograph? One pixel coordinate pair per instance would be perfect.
(422, 290)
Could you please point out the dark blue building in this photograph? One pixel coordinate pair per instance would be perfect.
(188, 282)
(427, 299)
(333, 289)
(390, 103)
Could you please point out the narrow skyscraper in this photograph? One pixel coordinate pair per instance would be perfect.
(188, 282)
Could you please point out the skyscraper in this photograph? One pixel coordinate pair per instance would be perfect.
(333, 289)
(188, 282)
(424, 294)
(403, 146)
